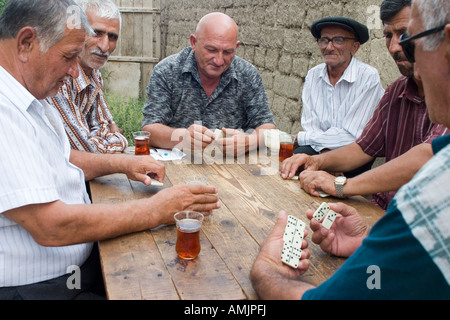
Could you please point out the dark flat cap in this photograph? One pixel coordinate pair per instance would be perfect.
(359, 30)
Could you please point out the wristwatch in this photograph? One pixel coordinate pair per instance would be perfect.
(339, 182)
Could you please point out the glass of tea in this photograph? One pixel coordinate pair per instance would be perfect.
(286, 147)
(142, 143)
(188, 234)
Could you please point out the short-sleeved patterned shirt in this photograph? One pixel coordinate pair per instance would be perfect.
(175, 96)
(86, 115)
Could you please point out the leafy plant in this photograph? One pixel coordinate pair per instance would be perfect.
(127, 113)
(2, 5)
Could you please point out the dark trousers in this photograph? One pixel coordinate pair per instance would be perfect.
(310, 151)
(91, 279)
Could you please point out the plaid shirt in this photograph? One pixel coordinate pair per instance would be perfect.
(86, 115)
(425, 206)
(409, 245)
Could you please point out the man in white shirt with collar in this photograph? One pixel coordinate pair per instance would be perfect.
(47, 223)
(339, 95)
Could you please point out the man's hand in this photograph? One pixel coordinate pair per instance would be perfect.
(115, 128)
(199, 198)
(301, 161)
(271, 278)
(197, 137)
(138, 167)
(312, 181)
(345, 235)
(236, 142)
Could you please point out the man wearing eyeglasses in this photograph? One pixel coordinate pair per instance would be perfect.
(406, 254)
(339, 95)
(422, 47)
(400, 130)
(81, 102)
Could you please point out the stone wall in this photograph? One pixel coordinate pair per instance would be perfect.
(275, 37)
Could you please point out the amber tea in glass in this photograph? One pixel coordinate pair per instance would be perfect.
(188, 234)
(142, 143)
(286, 147)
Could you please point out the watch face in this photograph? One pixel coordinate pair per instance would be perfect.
(341, 179)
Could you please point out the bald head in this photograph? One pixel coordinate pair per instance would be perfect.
(217, 25)
(214, 45)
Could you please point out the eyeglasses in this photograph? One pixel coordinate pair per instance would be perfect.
(408, 45)
(337, 41)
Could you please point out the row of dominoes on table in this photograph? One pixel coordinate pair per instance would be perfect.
(294, 233)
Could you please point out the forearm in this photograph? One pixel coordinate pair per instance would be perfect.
(163, 136)
(343, 159)
(96, 165)
(111, 142)
(105, 221)
(392, 175)
(60, 224)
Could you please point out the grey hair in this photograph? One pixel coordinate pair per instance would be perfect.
(103, 8)
(49, 18)
(433, 13)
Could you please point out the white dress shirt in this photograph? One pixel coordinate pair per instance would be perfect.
(335, 116)
(34, 168)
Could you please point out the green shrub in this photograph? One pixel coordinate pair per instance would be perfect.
(127, 113)
(2, 5)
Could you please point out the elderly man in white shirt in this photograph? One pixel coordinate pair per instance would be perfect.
(47, 224)
(339, 95)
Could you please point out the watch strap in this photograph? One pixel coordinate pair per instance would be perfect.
(340, 187)
(339, 190)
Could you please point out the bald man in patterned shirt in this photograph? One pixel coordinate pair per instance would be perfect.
(207, 87)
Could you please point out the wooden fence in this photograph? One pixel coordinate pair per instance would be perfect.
(138, 50)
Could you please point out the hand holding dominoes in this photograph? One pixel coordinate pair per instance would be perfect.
(154, 182)
(325, 211)
(346, 237)
(293, 238)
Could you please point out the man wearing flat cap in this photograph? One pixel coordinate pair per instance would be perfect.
(339, 95)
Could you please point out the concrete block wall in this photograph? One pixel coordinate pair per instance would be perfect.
(275, 37)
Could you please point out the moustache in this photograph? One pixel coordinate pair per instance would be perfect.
(399, 56)
(100, 53)
(328, 52)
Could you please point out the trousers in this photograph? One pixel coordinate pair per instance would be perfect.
(91, 279)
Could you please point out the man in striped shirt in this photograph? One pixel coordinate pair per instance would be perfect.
(400, 130)
(339, 95)
(81, 101)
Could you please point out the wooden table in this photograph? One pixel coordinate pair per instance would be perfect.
(144, 265)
